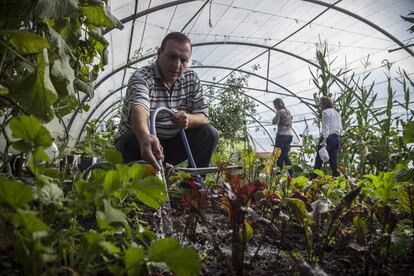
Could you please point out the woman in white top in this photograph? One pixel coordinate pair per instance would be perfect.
(330, 137)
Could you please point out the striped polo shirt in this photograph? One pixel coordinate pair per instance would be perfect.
(147, 88)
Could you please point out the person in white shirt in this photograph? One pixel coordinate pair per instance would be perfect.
(330, 137)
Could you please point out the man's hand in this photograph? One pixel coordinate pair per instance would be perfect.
(323, 143)
(180, 119)
(151, 151)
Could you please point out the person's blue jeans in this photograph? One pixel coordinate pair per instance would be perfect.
(333, 146)
(283, 142)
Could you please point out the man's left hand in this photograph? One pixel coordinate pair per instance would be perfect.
(180, 119)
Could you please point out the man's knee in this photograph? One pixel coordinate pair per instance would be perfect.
(206, 133)
(211, 134)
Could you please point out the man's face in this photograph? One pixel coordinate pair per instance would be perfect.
(173, 60)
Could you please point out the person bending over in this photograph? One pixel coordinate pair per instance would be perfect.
(166, 83)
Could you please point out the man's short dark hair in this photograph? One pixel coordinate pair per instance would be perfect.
(177, 36)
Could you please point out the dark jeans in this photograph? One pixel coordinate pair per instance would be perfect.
(283, 142)
(333, 145)
(202, 140)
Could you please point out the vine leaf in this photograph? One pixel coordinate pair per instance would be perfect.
(133, 258)
(62, 73)
(14, 193)
(36, 93)
(406, 197)
(25, 42)
(30, 132)
(100, 16)
(150, 191)
(47, 9)
(110, 216)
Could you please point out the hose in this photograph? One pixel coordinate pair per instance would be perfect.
(182, 133)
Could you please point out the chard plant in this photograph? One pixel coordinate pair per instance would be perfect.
(320, 219)
(235, 201)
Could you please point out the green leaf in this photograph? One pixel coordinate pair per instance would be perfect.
(52, 193)
(299, 182)
(3, 90)
(66, 105)
(40, 155)
(62, 73)
(100, 16)
(14, 194)
(91, 244)
(361, 225)
(25, 42)
(160, 248)
(319, 172)
(110, 248)
(249, 232)
(47, 9)
(70, 30)
(184, 262)
(133, 259)
(113, 156)
(401, 239)
(36, 93)
(32, 225)
(408, 132)
(110, 216)
(30, 131)
(299, 207)
(406, 198)
(145, 236)
(136, 171)
(150, 191)
(112, 181)
(98, 37)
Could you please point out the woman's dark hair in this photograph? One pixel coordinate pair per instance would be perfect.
(326, 102)
(279, 105)
(177, 36)
(278, 102)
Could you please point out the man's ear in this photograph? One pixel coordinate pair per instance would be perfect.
(158, 52)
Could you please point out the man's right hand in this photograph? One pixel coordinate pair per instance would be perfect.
(151, 151)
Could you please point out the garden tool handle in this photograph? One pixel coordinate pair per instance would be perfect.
(153, 131)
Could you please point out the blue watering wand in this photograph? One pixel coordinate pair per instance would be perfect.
(199, 180)
(193, 167)
(182, 133)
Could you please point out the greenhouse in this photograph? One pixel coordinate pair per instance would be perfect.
(207, 137)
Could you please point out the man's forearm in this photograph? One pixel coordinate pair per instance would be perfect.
(139, 121)
(196, 119)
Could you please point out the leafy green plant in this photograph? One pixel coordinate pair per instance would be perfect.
(229, 109)
(96, 142)
(50, 52)
(88, 229)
